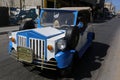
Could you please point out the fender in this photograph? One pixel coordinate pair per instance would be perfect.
(90, 37)
(64, 58)
(10, 47)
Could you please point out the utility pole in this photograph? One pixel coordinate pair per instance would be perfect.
(20, 4)
(42, 4)
(54, 3)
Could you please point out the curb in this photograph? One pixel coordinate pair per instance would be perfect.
(6, 32)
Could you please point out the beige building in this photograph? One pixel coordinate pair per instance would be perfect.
(110, 7)
(21, 3)
(118, 12)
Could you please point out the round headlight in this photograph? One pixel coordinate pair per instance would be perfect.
(61, 44)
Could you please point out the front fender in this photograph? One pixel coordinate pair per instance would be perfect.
(64, 58)
(10, 46)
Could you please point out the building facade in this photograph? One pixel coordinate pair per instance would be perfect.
(21, 3)
(110, 7)
(96, 5)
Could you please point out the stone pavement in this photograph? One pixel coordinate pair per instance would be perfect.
(6, 29)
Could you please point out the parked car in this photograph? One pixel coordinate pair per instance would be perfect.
(17, 15)
(61, 35)
(118, 15)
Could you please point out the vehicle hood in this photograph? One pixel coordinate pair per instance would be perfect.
(45, 32)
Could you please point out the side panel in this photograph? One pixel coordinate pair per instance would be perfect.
(10, 47)
(83, 39)
(90, 36)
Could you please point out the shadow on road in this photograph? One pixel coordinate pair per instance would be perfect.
(91, 61)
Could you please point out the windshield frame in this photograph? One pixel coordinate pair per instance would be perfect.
(75, 13)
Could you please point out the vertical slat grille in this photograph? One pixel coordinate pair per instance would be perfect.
(22, 41)
(37, 46)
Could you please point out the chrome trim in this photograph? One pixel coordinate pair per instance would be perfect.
(46, 67)
(54, 65)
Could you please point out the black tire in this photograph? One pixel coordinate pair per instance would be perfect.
(72, 37)
(70, 69)
(27, 25)
(93, 36)
(75, 61)
(65, 72)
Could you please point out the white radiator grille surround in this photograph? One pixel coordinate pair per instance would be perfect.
(22, 41)
(37, 45)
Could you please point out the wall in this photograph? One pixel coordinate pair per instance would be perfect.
(4, 16)
(90, 1)
(16, 3)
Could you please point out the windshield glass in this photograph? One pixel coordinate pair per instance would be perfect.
(57, 18)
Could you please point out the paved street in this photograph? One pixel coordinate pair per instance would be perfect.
(4, 30)
(100, 61)
(111, 67)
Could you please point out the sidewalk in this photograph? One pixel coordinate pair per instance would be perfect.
(5, 30)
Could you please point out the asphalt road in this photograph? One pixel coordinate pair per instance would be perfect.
(94, 65)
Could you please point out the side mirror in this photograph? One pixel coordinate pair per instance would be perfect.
(80, 25)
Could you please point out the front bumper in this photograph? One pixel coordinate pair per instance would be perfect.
(26, 55)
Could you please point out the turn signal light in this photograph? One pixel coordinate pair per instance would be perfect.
(50, 47)
(13, 39)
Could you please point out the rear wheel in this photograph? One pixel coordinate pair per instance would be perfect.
(27, 25)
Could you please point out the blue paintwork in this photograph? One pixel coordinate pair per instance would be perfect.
(75, 12)
(41, 13)
(80, 25)
(61, 10)
(75, 19)
(38, 34)
(42, 10)
(37, 20)
(33, 34)
(55, 35)
(88, 43)
(64, 58)
(10, 46)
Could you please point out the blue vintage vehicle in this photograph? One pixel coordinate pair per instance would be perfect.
(60, 35)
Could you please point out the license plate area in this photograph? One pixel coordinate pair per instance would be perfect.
(25, 54)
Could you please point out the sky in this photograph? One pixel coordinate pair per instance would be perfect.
(116, 3)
